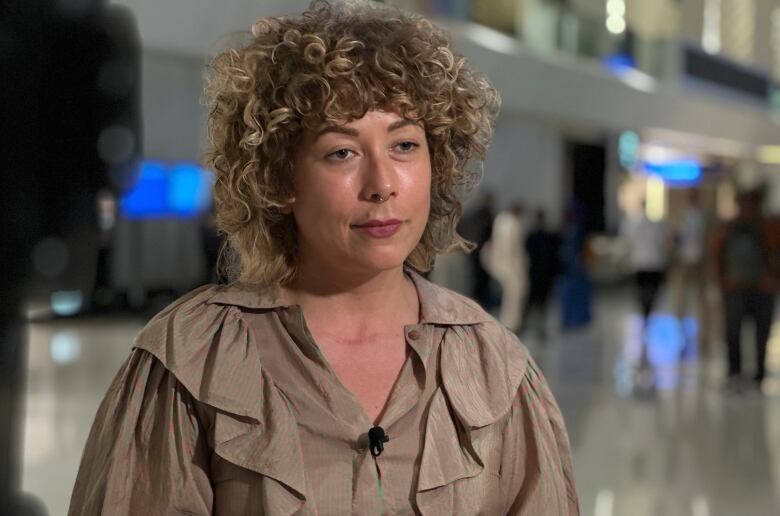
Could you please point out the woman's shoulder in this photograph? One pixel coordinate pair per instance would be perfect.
(194, 370)
(204, 341)
(192, 320)
(186, 323)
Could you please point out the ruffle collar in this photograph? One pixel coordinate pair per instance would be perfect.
(438, 305)
(482, 368)
(203, 340)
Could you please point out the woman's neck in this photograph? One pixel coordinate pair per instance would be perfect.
(333, 299)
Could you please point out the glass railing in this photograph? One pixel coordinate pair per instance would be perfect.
(551, 26)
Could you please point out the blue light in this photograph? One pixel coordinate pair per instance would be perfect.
(667, 344)
(180, 190)
(66, 302)
(665, 340)
(65, 347)
(618, 64)
(670, 342)
(628, 148)
(679, 172)
(189, 189)
(147, 197)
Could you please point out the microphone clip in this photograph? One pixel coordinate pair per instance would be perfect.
(377, 439)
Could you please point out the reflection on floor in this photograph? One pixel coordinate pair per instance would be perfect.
(653, 432)
(71, 364)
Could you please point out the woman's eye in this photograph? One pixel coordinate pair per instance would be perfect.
(340, 155)
(407, 146)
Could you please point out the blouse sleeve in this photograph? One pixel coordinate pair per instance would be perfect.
(147, 452)
(536, 467)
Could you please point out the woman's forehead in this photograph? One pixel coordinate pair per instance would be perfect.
(393, 118)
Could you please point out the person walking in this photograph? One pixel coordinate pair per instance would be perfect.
(544, 264)
(576, 287)
(649, 242)
(688, 271)
(506, 262)
(477, 226)
(746, 265)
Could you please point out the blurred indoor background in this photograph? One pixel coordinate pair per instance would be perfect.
(615, 113)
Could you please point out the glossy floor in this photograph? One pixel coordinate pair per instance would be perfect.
(653, 432)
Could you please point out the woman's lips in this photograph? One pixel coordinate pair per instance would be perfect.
(379, 228)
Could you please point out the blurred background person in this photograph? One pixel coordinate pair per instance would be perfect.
(747, 264)
(688, 275)
(505, 260)
(103, 297)
(477, 227)
(544, 264)
(576, 285)
(650, 245)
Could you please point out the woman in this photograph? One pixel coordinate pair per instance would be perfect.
(340, 142)
(506, 259)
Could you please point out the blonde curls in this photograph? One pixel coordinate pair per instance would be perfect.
(333, 64)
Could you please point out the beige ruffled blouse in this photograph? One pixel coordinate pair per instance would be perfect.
(226, 406)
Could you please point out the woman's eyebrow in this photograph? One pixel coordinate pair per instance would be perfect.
(336, 129)
(349, 131)
(400, 123)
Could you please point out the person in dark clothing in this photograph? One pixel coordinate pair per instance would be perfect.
(746, 263)
(478, 227)
(575, 290)
(544, 264)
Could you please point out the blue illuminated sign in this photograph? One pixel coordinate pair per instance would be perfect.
(682, 172)
(618, 64)
(628, 149)
(168, 190)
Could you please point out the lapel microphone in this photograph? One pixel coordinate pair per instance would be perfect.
(377, 439)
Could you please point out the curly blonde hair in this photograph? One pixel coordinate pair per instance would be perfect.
(330, 65)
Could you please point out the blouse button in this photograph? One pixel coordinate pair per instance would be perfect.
(414, 335)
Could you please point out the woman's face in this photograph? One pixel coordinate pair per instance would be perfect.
(362, 193)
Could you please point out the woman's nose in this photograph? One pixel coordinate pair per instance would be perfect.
(380, 180)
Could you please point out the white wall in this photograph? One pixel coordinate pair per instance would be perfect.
(174, 120)
(196, 27)
(525, 163)
(177, 35)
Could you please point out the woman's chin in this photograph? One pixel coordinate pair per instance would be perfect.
(379, 262)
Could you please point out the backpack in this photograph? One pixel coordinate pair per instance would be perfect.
(745, 253)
